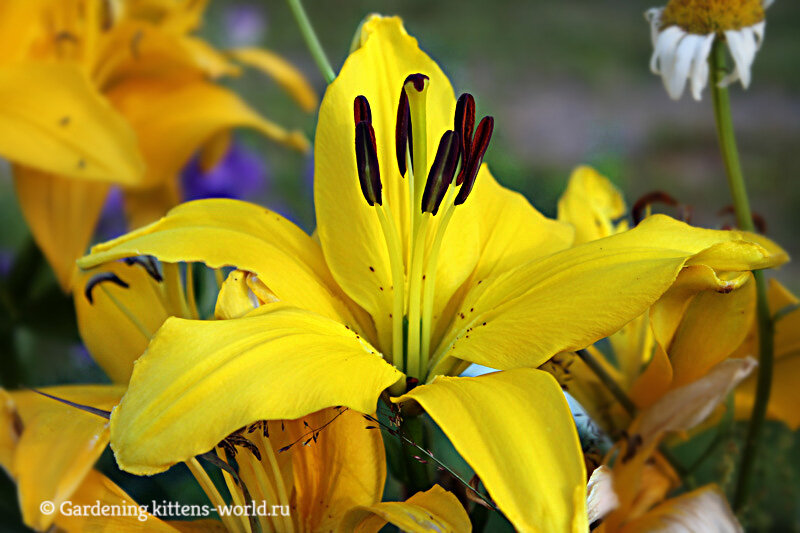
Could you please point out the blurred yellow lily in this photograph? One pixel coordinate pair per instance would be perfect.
(467, 267)
(100, 93)
(699, 322)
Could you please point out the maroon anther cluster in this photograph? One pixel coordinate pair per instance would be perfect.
(461, 148)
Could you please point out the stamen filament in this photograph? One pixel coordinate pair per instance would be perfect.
(430, 276)
(128, 314)
(415, 297)
(280, 487)
(395, 250)
(190, 296)
(231, 523)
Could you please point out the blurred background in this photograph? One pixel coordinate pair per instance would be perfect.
(568, 83)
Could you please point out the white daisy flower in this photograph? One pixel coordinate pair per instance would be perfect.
(684, 32)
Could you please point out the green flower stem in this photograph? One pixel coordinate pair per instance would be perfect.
(744, 219)
(608, 382)
(310, 36)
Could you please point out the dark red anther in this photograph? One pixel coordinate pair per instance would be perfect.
(102, 278)
(483, 134)
(442, 171)
(758, 220)
(361, 110)
(402, 131)
(369, 175)
(639, 209)
(464, 125)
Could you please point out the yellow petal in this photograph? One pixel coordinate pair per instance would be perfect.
(292, 80)
(632, 347)
(58, 446)
(591, 204)
(511, 232)
(573, 298)
(784, 396)
(666, 314)
(62, 214)
(344, 468)
(713, 326)
(233, 233)
(52, 119)
(349, 229)
(235, 297)
(130, 517)
(181, 392)
(10, 431)
(20, 27)
(654, 382)
(515, 429)
(138, 49)
(120, 321)
(433, 510)
(144, 206)
(177, 17)
(173, 118)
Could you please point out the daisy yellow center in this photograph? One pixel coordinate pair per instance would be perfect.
(712, 16)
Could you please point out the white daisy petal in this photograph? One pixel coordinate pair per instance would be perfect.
(699, 75)
(677, 73)
(767, 3)
(742, 45)
(665, 48)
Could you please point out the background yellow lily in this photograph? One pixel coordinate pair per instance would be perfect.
(100, 93)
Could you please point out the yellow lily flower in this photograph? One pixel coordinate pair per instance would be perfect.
(101, 93)
(699, 322)
(468, 268)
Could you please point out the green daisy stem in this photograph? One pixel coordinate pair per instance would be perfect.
(744, 219)
(312, 41)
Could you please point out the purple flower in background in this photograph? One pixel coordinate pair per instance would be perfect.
(6, 261)
(112, 221)
(240, 174)
(245, 25)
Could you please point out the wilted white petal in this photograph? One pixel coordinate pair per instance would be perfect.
(767, 3)
(653, 16)
(704, 509)
(742, 45)
(699, 75)
(676, 74)
(685, 407)
(601, 498)
(665, 48)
